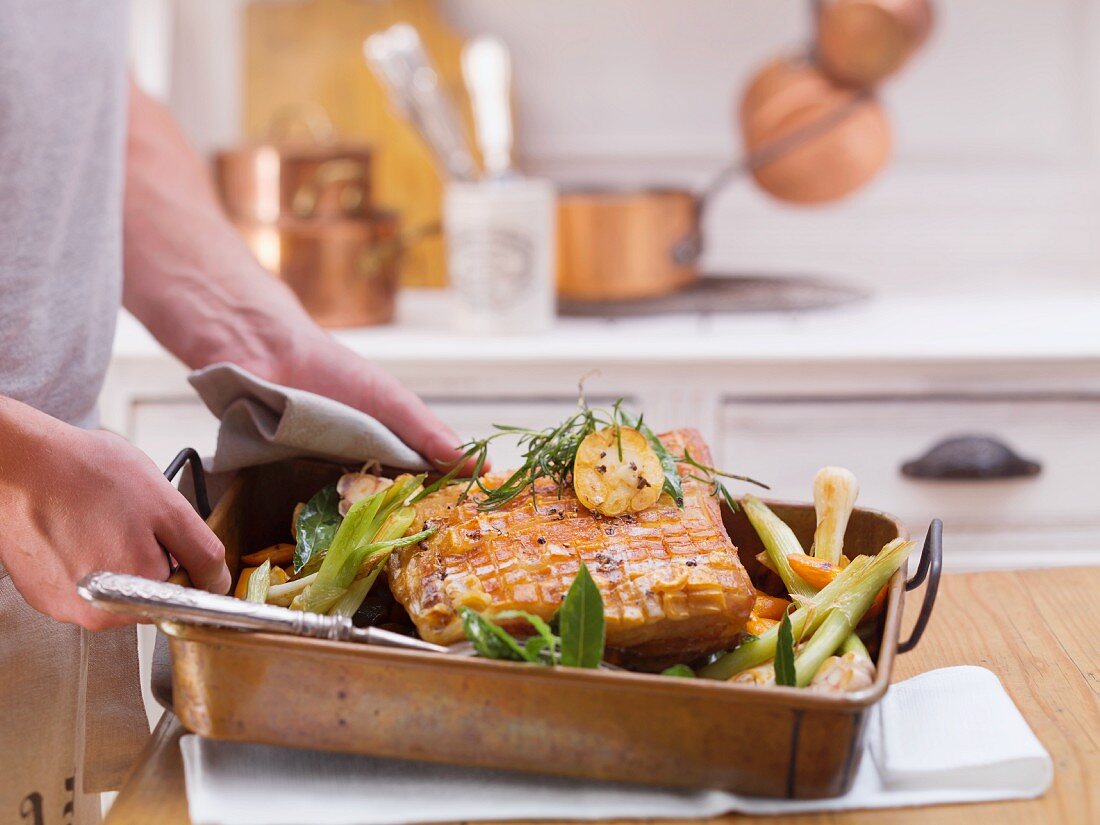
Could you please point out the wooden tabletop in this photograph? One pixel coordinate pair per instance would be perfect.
(1037, 630)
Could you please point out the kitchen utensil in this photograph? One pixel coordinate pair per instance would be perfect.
(838, 137)
(273, 179)
(862, 42)
(345, 272)
(487, 68)
(779, 742)
(398, 59)
(165, 601)
(618, 245)
(500, 254)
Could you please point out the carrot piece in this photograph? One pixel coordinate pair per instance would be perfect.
(242, 582)
(769, 607)
(814, 571)
(876, 605)
(758, 626)
(278, 576)
(277, 554)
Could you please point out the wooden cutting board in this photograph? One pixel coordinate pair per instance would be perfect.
(304, 53)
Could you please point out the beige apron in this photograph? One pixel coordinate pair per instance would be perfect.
(73, 719)
(70, 709)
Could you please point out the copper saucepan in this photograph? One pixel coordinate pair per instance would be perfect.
(271, 180)
(862, 42)
(806, 141)
(345, 272)
(615, 245)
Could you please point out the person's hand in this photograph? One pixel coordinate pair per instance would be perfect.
(78, 501)
(328, 368)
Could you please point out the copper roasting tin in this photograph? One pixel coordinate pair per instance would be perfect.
(312, 693)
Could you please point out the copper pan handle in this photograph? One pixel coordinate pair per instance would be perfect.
(313, 116)
(373, 261)
(331, 173)
(690, 247)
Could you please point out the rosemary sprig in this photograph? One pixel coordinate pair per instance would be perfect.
(673, 485)
(547, 453)
(550, 453)
(714, 476)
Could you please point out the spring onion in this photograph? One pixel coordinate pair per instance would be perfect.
(858, 583)
(779, 541)
(283, 594)
(259, 583)
(835, 493)
(393, 529)
(360, 536)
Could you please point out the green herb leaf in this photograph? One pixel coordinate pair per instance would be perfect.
(673, 485)
(534, 647)
(682, 671)
(784, 654)
(490, 640)
(317, 526)
(550, 642)
(714, 476)
(582, 623)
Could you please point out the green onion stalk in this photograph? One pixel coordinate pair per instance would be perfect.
(372, 567)
(285, 593)
(370, 528)
(779, 542)
(259, 583)
(853, 591)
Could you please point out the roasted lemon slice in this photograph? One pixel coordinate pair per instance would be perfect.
(617, 472)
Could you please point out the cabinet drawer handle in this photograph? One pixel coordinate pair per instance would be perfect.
(970, 457)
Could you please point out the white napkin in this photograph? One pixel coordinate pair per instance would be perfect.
(951, 735)
(263, 422)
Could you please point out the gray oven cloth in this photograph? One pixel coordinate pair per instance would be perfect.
(263, 422)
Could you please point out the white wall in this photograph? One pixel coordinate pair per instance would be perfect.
(994, 181)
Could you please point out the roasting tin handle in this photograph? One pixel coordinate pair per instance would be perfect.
(931, 561)
(188, 455)
(121, 593)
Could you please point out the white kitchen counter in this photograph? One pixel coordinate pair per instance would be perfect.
(965, 326)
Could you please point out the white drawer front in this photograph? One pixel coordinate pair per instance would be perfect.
(784, 443)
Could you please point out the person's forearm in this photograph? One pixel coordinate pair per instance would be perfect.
(189, 277)
(193, 282)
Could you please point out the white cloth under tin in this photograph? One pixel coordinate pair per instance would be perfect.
(263, 422)
(951, 735)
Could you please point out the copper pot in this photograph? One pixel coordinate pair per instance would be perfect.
(616, 245)
(269, 181)
(839, 136)
(344, 271)
(862, 42)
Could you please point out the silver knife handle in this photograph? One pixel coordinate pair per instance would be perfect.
(122, 593)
